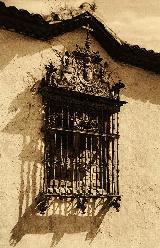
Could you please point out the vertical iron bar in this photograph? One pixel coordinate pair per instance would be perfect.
(67, 147)
(85, 116)
(102, 151)
(61, 159)
(73, 160)
(45, 144)
(76, 165)
(101, 154)
(117, 155)
(97, 154)
(68, 115)
(91, 173)
(66, 177)
(46, 151)
(74, 170)
(105, 153)
(105, 161)
(54, 162)
(76, 178)
(108, 153)
(113, 158)
(53, 150)
(85, 167)
(62, 117)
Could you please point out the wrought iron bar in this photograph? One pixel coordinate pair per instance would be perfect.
(113, 155)
(117, 155)
(90, 165)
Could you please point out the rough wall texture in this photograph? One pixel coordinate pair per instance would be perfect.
(137, 223)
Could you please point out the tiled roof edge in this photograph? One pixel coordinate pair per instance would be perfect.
(33, 25)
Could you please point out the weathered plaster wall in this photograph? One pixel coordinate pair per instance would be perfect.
(137, 224)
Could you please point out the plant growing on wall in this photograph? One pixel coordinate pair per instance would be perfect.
(68, 12)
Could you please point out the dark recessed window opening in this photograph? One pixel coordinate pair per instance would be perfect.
(82, 151)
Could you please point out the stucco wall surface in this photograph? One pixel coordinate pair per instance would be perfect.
(137, 224)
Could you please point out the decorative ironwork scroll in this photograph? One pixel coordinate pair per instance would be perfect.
(80, 129)
(82, 70)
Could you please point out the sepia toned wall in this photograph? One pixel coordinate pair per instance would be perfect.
(21, 152)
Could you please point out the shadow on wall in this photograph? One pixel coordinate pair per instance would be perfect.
(27, 122)
(140, 84)
(16, 45)
(62, 217)
(59, 224)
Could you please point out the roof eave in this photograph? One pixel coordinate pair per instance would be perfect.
(33, 25)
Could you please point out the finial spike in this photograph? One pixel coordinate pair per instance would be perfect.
(88, 41)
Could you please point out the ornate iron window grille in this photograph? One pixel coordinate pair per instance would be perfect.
(81, 129)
